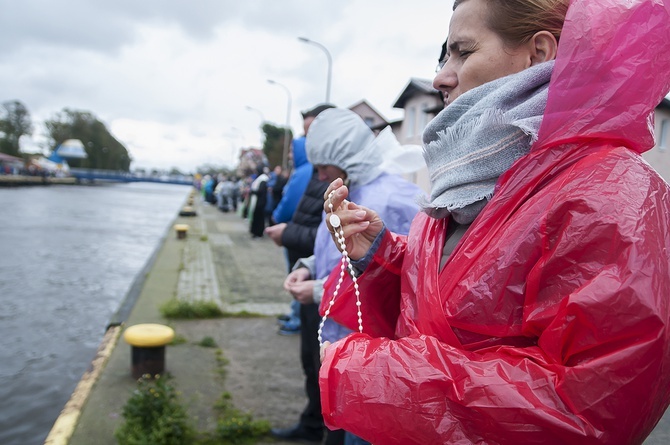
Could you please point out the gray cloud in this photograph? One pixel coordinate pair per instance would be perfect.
(108, 25)
(168, 73)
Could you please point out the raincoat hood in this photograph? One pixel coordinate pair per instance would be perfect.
(339, 137)
(611, 71)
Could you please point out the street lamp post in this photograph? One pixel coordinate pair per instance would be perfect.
(255, 110)
(330, 63)
(288, 123)
(238, 135)
(260, 126)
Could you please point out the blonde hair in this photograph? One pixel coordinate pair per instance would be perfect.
(516, 21)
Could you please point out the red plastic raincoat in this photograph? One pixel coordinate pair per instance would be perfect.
(550, 321)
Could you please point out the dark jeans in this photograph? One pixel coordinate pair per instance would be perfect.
(309, 355)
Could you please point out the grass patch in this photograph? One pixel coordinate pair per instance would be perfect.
(155, 415)
(242, 314)
(234, 426)
(178, 340)
(221, 363)
(207, 342)
(204, 237)
(190, 310)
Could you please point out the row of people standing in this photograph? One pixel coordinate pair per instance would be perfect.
(298, 217)
(265, 194)
(337, 143)
(298, 214)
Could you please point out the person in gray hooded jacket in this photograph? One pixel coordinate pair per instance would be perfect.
(340, 144)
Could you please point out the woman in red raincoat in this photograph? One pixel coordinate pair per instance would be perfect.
(530, 302)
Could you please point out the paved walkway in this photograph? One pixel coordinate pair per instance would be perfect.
(217, 261)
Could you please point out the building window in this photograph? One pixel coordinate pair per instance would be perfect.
(410, 122)
(665, 135)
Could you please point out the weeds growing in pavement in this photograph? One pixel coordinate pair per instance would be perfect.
(178, 340)
(242, 314)
(235, 427)
(190, 310)
(154, 415)
(221, 363)
(207, 342)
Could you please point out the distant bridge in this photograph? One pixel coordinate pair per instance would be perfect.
(92, 175)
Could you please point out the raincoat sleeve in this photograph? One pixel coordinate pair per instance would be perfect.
(293, 190)
(594, 364)
(381, 302)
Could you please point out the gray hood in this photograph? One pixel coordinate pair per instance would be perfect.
(339, 137)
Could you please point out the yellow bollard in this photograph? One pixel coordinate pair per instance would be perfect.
(182, 230)
(147, 343)
(187, 211)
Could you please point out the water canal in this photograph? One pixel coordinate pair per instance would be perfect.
(68, 255)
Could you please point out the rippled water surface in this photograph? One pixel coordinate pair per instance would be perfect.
(68, 255)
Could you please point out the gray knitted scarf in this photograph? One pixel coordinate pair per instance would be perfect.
(478, 137)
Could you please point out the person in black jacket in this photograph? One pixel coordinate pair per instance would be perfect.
(298, 236)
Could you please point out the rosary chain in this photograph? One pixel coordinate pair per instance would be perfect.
(344, 264)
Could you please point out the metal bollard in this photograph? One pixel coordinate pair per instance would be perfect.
(148, 343)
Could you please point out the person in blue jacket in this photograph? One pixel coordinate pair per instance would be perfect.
(302, 171)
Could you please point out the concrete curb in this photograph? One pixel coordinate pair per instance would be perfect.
(67, 420)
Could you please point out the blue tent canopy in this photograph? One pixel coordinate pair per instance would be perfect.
(55, 158)
(71, 148)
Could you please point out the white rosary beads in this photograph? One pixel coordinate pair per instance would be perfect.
(346, 262)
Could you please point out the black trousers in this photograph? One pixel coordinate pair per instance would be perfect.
(311, 417)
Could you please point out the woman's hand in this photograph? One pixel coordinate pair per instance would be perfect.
(360, 224)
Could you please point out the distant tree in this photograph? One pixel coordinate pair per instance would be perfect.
(14, 122)
(273, 146)
(103, 150)
(174, 171)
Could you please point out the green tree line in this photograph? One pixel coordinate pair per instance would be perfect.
(104, 150)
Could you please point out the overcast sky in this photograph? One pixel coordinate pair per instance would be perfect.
(172, 79)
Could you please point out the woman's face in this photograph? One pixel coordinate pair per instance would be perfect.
(475, 53)
(329, 173)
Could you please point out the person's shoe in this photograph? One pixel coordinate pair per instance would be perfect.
(298, 433)
(291, 324)
(286, 330)
(283, 318)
